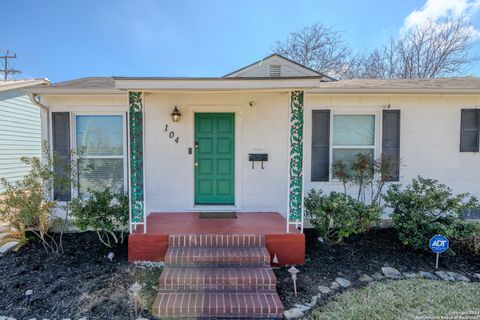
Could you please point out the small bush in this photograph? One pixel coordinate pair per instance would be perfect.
(103, 212)
(27, 203)
(471, 245)
(366, 174)
(425, 208)
(338, 216)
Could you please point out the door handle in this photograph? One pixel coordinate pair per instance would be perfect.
(196, 164)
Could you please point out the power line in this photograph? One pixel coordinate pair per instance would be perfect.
(6, 71)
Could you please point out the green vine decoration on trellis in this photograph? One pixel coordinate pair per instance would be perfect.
(296, 157)
(136, 157)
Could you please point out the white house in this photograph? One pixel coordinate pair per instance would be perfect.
(244, 148)
(293, 121)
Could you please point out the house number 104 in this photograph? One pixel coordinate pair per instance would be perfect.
(171, 134)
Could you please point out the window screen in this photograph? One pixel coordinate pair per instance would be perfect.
(100, 142)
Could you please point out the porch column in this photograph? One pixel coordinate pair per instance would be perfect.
(136, 186)
(295, 161)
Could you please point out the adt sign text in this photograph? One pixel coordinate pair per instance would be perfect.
(439, 244)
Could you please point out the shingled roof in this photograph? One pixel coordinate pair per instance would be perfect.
(88, 84)
(18, 84)
(459, 85)
(430, 85)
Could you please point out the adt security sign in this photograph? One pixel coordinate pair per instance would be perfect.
(438, 244)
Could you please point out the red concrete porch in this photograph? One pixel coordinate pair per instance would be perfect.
(152, 246)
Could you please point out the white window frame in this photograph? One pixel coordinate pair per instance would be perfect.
(73, 143)
(377, 135)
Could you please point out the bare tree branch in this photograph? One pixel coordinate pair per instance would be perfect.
(318, 47)
(426, 51)
(441, 48)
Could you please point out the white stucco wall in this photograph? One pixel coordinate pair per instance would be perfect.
(262, 128)
(84, 102)
(429, 136)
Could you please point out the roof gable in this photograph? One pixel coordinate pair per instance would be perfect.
(275, 66)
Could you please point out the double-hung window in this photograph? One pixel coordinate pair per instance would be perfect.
(343, 136)
(351, 135)
(100, 140)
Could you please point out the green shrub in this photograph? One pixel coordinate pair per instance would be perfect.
(103, 212)
(27, 204)
(338, 216)
(425, 208)
(365, 174)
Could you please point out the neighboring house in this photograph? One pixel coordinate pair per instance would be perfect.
(20, 128)
(296, 120)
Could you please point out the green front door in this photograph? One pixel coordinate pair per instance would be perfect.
(214, 158)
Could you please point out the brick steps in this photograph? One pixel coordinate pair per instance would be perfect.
(218, 256)
(217, 276)
(246, 305)
(216, 240)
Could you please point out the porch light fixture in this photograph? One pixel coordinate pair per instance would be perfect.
(176, 115)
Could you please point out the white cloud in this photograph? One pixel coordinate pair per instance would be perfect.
(434, 10)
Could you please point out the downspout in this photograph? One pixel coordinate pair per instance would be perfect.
(34, 98)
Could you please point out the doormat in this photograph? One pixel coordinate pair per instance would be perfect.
(218, 215)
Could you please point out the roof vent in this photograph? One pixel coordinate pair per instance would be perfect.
(275, 70)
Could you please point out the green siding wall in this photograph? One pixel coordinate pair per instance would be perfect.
(20, 133)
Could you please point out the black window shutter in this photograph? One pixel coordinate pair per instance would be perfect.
(320, 145)
(391, 141)
(469, 130)
(61, 148)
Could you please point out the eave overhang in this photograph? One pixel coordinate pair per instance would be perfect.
(392, 91)
(216, 84)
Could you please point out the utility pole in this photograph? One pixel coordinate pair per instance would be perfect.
(6, 71)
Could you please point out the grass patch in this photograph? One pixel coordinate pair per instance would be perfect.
(148, 278)
(405, 299)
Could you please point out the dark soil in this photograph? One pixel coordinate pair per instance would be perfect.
(362, 254)
(81, 282)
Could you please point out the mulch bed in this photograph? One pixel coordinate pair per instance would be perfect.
(358, 255)
(82, 282)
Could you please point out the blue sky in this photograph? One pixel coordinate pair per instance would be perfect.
(64, 40)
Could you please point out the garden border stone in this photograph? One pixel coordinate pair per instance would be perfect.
(428, 275)
(334, 285)
(293, 313)
(390, 273)
(378, 276)
(444, 276)
(344, 283)
(366, 278)
(458, 277)
(324, 289)
(411, 275)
